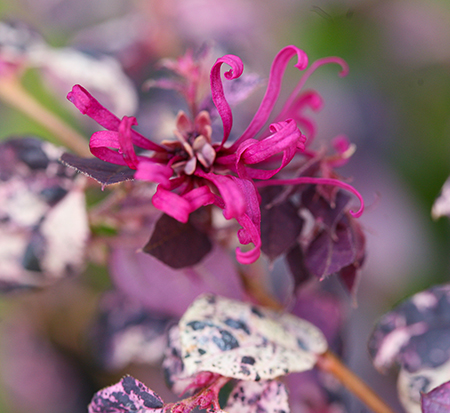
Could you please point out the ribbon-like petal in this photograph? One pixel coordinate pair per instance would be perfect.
(218, 95)
(153, 172)
(233, 198)
(286, 138)
(317, 181)
(90, 106)
(172, 204)
(273, 89)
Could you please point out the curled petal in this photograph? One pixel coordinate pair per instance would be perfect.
(315, 65)
(233, 198)
(250, 222)
(88, 105)
(273, 89)
(217, 93)
(172, 204)
(318, 181)
(153, 172)
(249, 233)
(125, 142)
(285, 136)
(180, 206)
(199, 197)
(286, 139)
(100, 145)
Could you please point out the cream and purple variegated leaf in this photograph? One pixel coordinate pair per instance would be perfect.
(174, 373)
(247, 342)
(266, 396)
(127, 396)
(437, 400)
(415, 334)
(412, 386)
(125, 332)
(43, 219)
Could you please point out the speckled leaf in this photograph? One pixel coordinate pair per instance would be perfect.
(174, 373)
(43, 220)
(177, 244)
(246, 342)
(127, 396)
(412, 385)
(437, 400)
(267, 396)
(125, 332)
(104, 172)
(280, 224)
(415, 334)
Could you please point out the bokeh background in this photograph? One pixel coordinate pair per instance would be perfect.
(394, 104)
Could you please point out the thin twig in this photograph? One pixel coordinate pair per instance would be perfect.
(13, 93)
(330, 363)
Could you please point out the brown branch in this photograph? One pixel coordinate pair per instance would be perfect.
(13, 93)
(330, 363)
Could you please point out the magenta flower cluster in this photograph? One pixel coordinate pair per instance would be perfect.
(196, 168)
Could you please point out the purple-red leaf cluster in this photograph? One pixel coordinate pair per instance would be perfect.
(177, 244)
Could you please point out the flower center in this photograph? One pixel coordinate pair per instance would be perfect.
(193, 143)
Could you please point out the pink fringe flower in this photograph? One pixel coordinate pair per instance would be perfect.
(195, 169)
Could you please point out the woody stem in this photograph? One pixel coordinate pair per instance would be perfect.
(13, 93)
(328, 361)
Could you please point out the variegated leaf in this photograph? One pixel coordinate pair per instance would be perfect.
(242, 341)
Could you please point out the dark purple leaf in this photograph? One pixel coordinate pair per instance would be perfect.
(280, 224)
(437, 400)
(125, 332)
(127, 396)
(104, 172)
(268, 396)
(329, 214)
(415, 334)
(296, 261)
(177, 244)
(162, 289)
(329, 251)
(349, 274)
